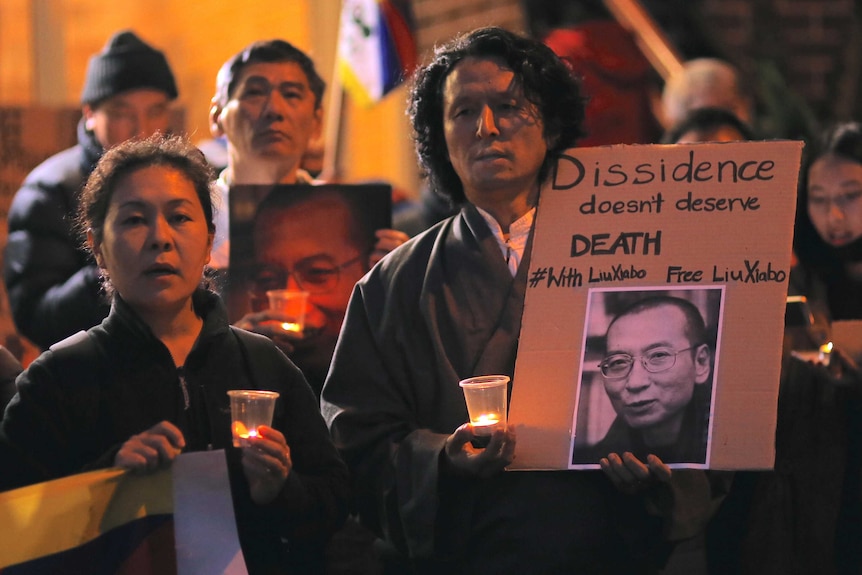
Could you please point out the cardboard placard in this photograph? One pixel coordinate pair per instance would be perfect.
(617, 226)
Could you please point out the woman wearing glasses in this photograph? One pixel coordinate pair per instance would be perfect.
(151, 380)
(806, 515)
(829, 226)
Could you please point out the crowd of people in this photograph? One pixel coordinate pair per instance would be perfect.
(118, 266)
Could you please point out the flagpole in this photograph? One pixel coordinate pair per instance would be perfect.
(363, 26)
(650, 38)
(333, 128)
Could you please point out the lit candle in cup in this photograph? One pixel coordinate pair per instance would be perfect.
(242, 432)
(288, 309)
(486, 423)
(249, 409)
(486, 397)
(289, 326)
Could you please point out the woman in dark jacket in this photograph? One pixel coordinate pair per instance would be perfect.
(806, 515)
(151, 381)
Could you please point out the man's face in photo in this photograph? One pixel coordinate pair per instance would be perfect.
(312, 246)
(655, 394)
(272, 112)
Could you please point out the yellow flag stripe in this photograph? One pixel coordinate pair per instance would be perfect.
(65, 513)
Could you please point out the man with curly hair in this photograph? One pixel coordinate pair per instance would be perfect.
(491, 113)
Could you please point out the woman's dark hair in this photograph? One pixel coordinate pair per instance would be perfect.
(843, 140)
(118, 162)
(547, 82)
(708, 120)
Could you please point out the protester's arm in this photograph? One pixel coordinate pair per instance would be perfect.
(151, 449)
(368, 404)
(42, 429)
(631, 475)
(313, 499)
(464, 459)
(267, 323)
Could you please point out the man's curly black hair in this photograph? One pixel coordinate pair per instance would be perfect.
(546, 80)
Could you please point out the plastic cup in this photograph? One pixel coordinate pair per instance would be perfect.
(486, 397)
(289, 308)
(249, 409)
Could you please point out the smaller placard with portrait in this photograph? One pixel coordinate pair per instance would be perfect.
(303, 237)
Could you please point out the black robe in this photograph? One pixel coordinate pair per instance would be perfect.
(441, 308)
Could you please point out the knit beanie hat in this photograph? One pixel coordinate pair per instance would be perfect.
(126, 63)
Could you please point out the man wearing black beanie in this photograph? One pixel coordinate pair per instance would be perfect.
(53, 287)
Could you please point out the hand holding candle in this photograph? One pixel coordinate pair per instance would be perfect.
(465, 458)
(266, 463)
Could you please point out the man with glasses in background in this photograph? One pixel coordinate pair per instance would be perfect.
(656, 372)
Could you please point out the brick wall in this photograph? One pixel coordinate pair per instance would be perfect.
(813, 43)
(440, 20)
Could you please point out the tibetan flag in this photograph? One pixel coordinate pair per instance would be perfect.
(376, 47)
(178, 521)
(99, 522)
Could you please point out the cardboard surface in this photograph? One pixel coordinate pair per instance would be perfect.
(711, 223)
(847, 336)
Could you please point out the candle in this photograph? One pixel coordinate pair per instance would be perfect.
(289, 326)
(240, 431)
(820, 356)
(486, 423)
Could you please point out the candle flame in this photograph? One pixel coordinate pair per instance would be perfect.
(487, 419)
(241, 431)
(485, 424)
